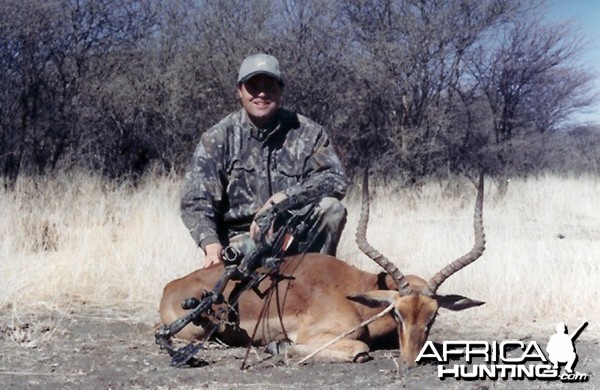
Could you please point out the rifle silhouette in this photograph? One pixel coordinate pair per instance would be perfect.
(577, 331)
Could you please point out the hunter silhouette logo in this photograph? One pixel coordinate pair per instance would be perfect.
(508, 359)
(561, 347)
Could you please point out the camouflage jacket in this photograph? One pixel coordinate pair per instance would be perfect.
(237, 167)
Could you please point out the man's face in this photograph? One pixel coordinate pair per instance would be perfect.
(261, 97)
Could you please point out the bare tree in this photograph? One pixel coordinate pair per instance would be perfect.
(427, 86)
(530, 84)
(415, 66)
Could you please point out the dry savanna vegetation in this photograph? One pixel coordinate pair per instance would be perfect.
(102, 103)
(77, 241)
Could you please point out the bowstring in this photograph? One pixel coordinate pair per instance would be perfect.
(274, 274)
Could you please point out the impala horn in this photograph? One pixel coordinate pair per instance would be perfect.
(361, 240)
(436, 281)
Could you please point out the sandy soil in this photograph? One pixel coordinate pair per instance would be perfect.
(93, 350)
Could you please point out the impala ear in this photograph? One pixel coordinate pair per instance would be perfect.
(375, 298)
(457, 302)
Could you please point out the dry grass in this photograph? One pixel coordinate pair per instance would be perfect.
(77, 238)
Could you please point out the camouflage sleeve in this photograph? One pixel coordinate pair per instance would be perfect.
(202, 191)
(322, 166)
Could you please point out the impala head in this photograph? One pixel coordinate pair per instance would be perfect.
(416, 301)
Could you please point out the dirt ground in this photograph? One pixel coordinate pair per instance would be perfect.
(99, 351)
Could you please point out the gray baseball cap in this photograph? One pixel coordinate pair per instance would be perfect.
(259, 64)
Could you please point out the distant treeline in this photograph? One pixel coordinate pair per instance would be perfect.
(412, 87)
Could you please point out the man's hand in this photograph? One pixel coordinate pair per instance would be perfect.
(276, 198)
(213, 255)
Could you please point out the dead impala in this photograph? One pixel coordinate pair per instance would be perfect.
(320, 296)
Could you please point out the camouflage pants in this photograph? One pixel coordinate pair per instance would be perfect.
(330, 215)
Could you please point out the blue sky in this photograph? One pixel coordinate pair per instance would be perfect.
(584, 15)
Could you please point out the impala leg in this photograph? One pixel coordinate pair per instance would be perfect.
(344, 350)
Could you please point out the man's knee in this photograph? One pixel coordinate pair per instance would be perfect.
(332, 215)
(332, 211)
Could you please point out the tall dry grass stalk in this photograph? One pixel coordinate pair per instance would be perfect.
(79, 239)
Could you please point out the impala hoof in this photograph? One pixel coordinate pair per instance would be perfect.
(277, 347)
(362, 357)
